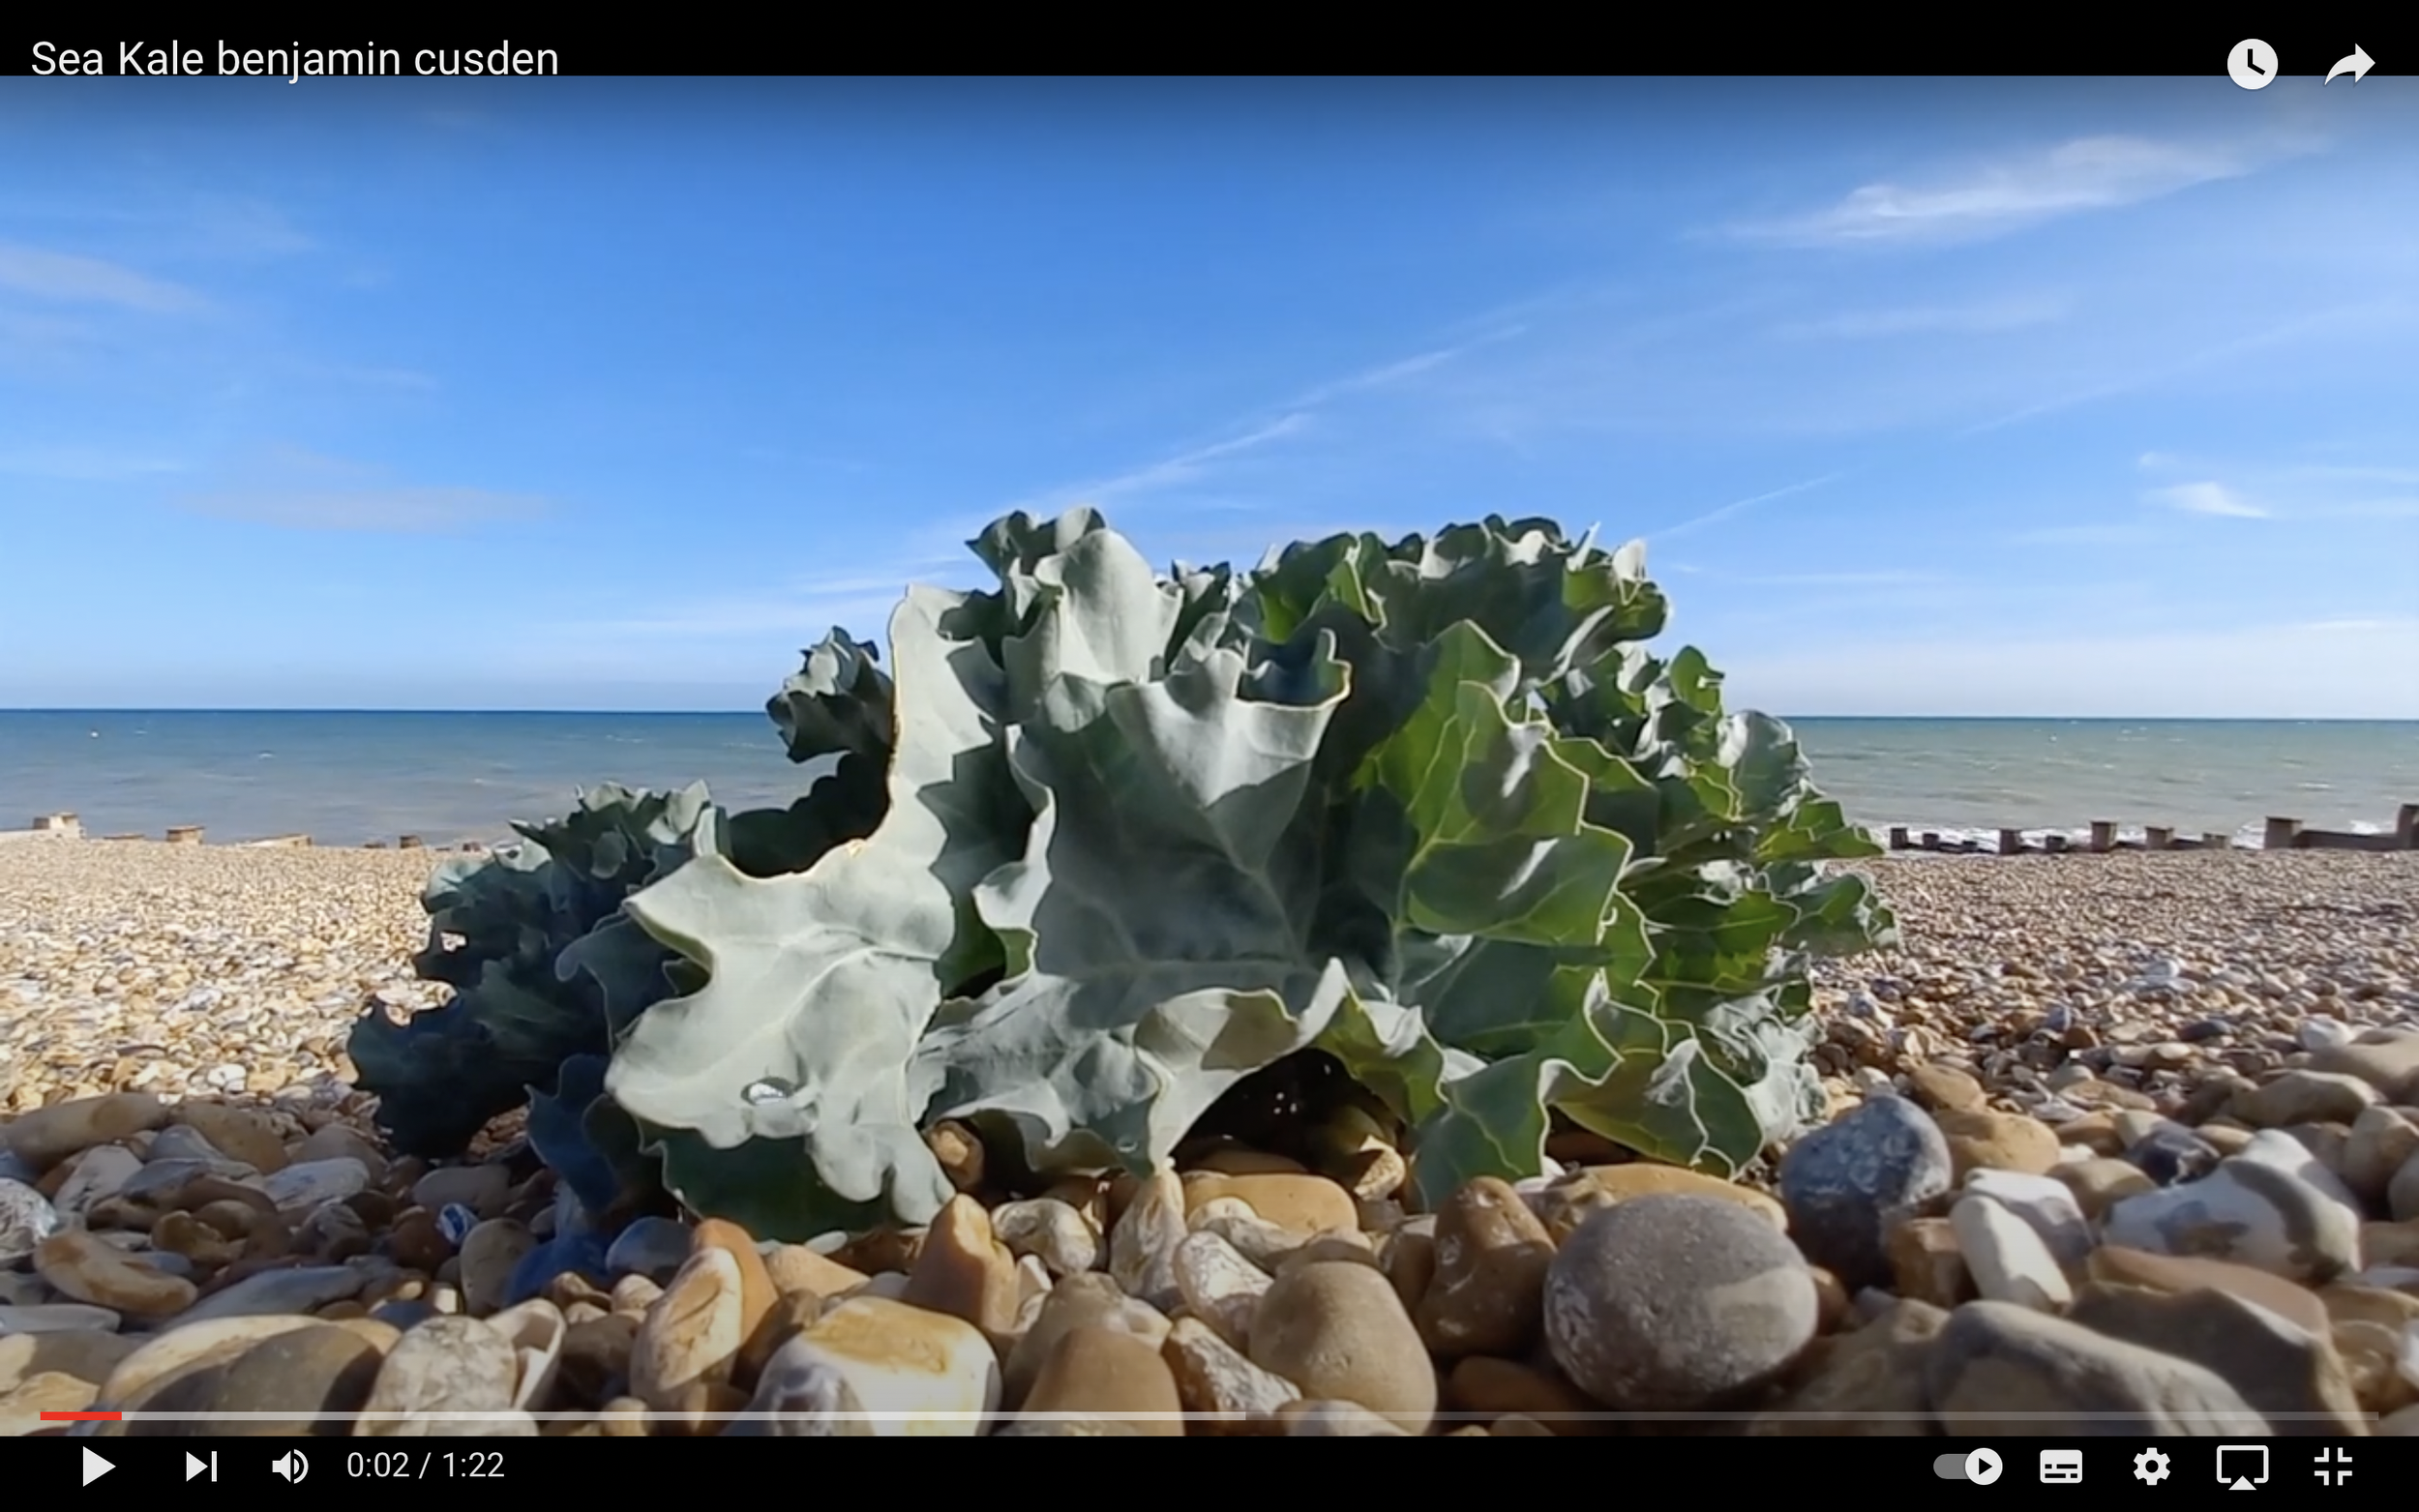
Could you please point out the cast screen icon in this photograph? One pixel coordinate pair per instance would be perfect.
(2252, 64)
(2237, 1463)
(2061, 1466)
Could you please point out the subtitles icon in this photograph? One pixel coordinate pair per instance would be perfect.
(2237, 1461)
(2061, 1466)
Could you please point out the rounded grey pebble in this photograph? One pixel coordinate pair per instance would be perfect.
(2170, 1155)
(404, 1314)
(1669, 1303)
(1847, 1184)
(652, 1247)
(26, 1219)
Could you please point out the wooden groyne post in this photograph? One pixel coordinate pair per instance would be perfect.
(2280, 834)
(48, 827)
(2284, 834)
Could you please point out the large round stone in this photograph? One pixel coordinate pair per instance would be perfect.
(1338, 1332)
(1849, 1185)
(1672, 1303)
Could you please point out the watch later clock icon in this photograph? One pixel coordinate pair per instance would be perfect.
(2252, 64)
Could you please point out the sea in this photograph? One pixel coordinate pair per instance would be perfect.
(350, 778)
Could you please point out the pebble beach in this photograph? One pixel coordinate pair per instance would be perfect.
(2128, 1138)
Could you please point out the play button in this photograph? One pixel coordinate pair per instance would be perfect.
(95, 1466)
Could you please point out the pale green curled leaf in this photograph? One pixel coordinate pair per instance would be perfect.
(838, 703)
(819, 984)
(1155, 929)
(517, 935)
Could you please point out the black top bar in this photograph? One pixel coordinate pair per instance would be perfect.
(47, 42)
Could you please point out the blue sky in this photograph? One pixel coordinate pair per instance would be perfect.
(1965, 397)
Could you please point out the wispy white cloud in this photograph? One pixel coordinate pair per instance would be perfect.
(68, 278)
(2084, 535)
(860, 609)
(2268, 672)
(1393, 373)
(1291, 422)
(296, 489)
(2373, 316)
(1851, 579)
(2209, 499)
(406, 378)
(1192, 465)
(2403, 624)
(236, 228)
(2402, 475)
(1989, 198)
(2011, 315)
(1738, 506)
(84, 465)
(2302, 492)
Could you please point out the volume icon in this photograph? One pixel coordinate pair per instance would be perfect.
(291, 1465)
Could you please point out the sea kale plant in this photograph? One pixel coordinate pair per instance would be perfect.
(1108, 842)
(548, 971)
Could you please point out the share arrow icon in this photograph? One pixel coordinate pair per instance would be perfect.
(2357, 66)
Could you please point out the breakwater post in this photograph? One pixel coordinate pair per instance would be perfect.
(2281, 833)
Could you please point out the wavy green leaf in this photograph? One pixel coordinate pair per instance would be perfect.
(1135, 996)
(819, 984)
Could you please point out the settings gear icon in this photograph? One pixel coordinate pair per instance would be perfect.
(2150, 1467)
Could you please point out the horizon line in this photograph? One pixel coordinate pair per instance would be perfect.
(758, 712)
